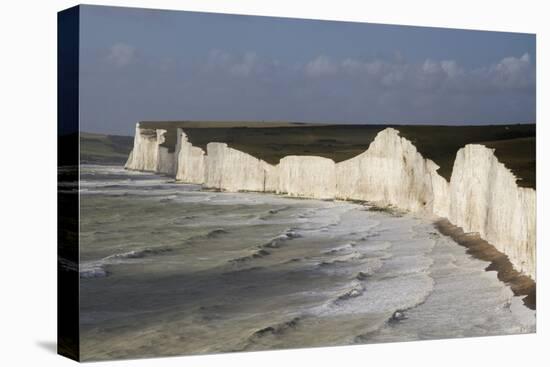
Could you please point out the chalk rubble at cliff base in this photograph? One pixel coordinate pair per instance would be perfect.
(482, 195)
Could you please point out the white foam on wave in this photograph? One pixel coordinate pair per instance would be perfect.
(466, 300)
(387, 271)
(92, 270)
(339, 249)
(115, 180)
(377, 265)
(97, 268)
(374, 288)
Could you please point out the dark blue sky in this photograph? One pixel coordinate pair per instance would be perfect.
(139, 64)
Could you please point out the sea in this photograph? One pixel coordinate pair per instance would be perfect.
(170, 269)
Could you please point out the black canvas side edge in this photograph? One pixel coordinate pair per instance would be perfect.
(68, 24)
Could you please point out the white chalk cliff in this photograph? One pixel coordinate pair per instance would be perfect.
(481, 197)
(229, 169)
(390, 172)
(144, 155)
(166, 163)
(485, 198)
(189, 160)
(307, 176)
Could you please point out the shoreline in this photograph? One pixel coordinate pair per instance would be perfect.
(520, 284)
(419, 187)
(428, 281)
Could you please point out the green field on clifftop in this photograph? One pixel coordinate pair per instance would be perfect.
(105, 149)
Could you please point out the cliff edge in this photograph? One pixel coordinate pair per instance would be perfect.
(482, 195)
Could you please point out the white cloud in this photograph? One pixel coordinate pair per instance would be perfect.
(320, 66)
(430, 67)
(393, 77)
(247, 65)
(217, 59)
(248, 86)
(372, 68)
(353, 89)
(512, 72)
(121, 54)
(451, 68)
(442, 69)
(512, 65)
(430, 75)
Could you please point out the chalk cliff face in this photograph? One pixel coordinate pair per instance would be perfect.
(144, 155)
(485, 198)
(232, 170)
(189, 161)
(390, 172)
(149, 155)
(307, 176)
(440, 192)
(481, 197)
(165, 158)
(165, 163)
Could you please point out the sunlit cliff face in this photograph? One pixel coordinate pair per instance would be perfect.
(481, 197)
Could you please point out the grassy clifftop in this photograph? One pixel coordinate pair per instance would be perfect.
(514, 144)
(105, 149)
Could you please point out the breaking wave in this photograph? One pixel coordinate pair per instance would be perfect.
(97, 269)
(262, 250)
(356, 291)
(276, 329)
(216, 232)
(259, 253)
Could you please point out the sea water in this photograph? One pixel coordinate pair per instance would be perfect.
(168, 269)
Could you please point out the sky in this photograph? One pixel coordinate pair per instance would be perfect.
(139, 64)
